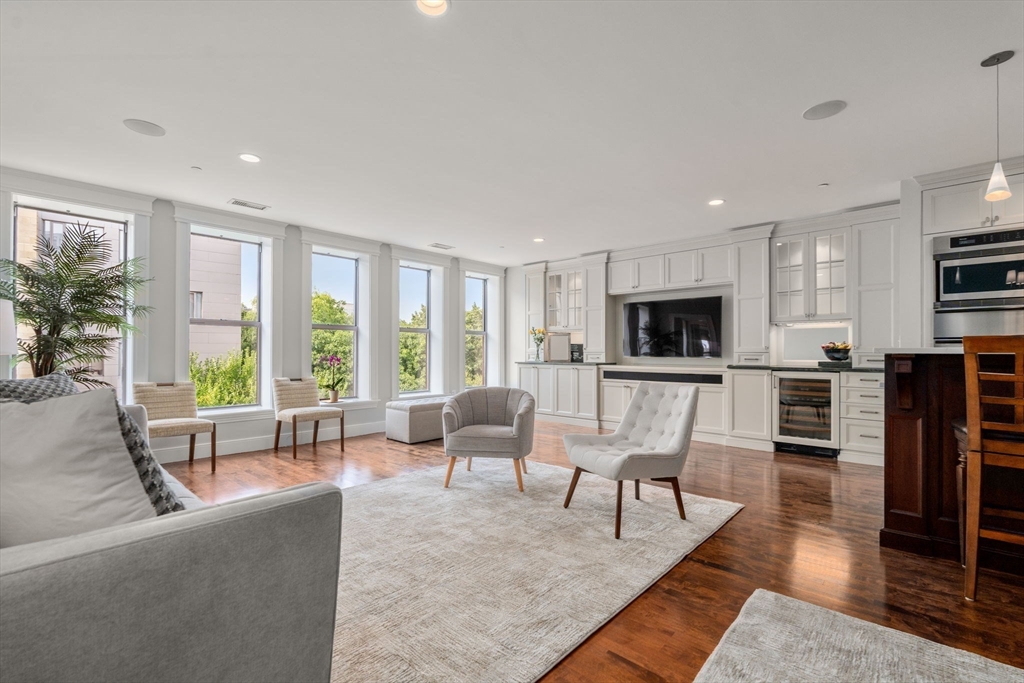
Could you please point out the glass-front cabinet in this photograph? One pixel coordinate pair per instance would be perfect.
(555, 319)
(565, 300)
(809, 276)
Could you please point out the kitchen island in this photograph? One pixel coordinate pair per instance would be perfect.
(925, 391)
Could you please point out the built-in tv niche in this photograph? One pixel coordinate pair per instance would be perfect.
(672, 328)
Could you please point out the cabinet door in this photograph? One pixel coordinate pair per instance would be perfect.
(788, 278)
(1010, 211)
(875, 258)
(545, 396)
(714, 265)
(528, 379)
(586, 392)
(574, 299)
(620, 277)
(565, 390)
(594, 332)
(750, 414)
(615, 398)
(555, 301)
(681, 269)
(750, 303)
(711, 410)
(958, 207)
(650, 272)
(829, 289)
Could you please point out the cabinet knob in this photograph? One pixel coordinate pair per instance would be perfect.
(994, 219)
(984, 221)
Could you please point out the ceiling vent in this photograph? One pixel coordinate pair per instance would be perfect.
(438, 245)
(248, 205)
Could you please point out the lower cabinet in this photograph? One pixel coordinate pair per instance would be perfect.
(751, 409)
(711, 404)
(615, 398)
(562, 390)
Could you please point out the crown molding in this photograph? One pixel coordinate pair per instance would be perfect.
(842, 219)
(18, 182)
(968, 174)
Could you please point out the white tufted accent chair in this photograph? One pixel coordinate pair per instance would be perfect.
(652, 442)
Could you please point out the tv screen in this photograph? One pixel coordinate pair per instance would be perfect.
(674, 328)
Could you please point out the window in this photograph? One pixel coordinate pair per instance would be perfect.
(32, 225)
(224, 338)
(413, 329)
(476, 332)
(335, 318)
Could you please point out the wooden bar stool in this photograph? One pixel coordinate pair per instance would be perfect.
(994, 369)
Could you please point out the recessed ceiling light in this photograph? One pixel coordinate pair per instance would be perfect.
(432, 8)
(251, 158)
(145, 127)
(716, 202)
(538, 239)
(824, 110)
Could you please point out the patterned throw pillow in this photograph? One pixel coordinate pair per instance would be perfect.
(52, 386)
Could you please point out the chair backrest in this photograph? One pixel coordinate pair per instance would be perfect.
(660, 417)
(166, 401)
(488, 405)
(994, 368)
(295, 393)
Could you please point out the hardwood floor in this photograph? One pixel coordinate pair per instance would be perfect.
(809, 530)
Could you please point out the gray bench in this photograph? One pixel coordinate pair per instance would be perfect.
(415, 420)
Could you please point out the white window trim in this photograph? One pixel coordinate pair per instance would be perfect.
(439, 346)
(494, 344)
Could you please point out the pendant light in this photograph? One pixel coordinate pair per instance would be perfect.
(998, 189)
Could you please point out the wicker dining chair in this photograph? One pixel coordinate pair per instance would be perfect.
(298, 400)
(172, 410)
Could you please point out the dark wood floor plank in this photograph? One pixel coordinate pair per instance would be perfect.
(809, 530)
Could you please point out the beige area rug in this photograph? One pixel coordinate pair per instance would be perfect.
(777, 638)
(482, 583)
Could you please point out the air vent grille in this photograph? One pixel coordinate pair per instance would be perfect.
(438, 245)
(248, 205)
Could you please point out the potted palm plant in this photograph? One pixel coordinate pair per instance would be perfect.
(75, 302)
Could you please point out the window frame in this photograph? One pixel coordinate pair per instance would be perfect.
(425, 331)
(354, 329)
(482, 333)
(241, 324)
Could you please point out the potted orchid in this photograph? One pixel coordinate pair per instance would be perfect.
(539, 334)
(332, 382)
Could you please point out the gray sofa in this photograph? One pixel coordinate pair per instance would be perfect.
(244, 591)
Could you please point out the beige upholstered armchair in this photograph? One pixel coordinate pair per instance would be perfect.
(298, 400)
(488, 422)
(172, 411)
(652, 442)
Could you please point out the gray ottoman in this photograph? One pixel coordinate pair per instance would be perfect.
(414, 421)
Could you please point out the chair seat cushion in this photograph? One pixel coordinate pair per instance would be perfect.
(606, 460)
(179, 426)
(310, 414)
(484, 439)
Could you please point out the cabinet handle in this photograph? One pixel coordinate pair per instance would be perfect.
(868, 436)
(869, 395)
(994, 219)
(865, 380)
(874, 360)
(984, 221)
(870, 412)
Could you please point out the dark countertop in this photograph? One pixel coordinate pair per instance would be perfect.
(801, 368)
(557, 362)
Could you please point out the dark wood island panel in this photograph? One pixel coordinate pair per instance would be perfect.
(924, 393)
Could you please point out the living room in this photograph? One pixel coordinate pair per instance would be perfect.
(711, 275)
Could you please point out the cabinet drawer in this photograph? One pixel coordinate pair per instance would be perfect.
(751, 359)
(862, 411)
(857, 395)
(863, 380)
(861, 435)
(869, 360)
(593, 357)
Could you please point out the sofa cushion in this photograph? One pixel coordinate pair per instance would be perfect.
(37, 388)
(163, 497)
(484, 439)
(187, 499)
(65, 470)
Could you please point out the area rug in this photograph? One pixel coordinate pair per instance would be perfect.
(480, 582)
(777, 638)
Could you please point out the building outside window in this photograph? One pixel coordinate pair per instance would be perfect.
(335, 319)
(476, 331)
(31, 225)
(224, 338)
(413, 329)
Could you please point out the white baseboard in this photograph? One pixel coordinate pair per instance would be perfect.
(581, 422)
(862, 458)
(750, 444)
(259, 443)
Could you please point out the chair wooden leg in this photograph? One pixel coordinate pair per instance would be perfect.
(213, 449)
(572, 486)
(277, 435)
(451, 468)
(469, 464)
(191, 447)
(974, 465)
(679, 497)
(523, 461)
(618, 508)
(519, 474)
(638, 489)
(295, 438)
(316, 430)
(343, 431)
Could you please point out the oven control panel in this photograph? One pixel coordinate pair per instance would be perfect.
(986, 239)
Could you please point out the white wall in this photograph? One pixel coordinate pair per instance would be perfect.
(515, 320)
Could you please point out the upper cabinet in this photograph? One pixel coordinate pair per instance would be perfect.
(750, 305)
(636, 275)
(594, 309)
(565, 299)
(699, 267)
(962, 207)
(874, 260)
(809, 276)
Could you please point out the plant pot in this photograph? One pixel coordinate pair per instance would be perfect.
(333, 396)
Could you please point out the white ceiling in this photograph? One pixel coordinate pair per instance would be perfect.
(592, 124)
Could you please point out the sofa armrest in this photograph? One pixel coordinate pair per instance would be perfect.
(137, 412)
(244, 591)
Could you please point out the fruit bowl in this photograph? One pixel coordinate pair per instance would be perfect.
(836, 350)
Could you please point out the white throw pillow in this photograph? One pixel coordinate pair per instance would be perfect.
(64, 469)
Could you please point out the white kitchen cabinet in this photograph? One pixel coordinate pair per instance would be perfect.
(595, 332)
(615, 398)
(636, 275)
(750, 302)
(528, 380)
(810, 276)
(829, 275)
(681, 269)
(586, 392)
(620, 277)
(545, 394)
(789, 271)
(712, 410)
(698, 267)
(565, 299)
(963, 206)
(750, 410)
(563, 390)
(875, 260)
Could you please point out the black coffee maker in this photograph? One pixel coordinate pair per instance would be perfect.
(576, 353)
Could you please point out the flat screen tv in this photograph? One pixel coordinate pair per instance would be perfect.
(673, 328)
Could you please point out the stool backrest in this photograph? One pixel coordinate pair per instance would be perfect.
(295, 393)
(166, 401)
(994, 369)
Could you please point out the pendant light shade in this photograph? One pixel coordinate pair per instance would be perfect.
(998, 190)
